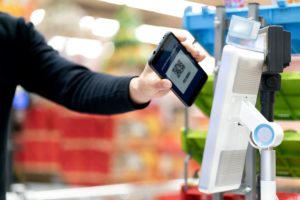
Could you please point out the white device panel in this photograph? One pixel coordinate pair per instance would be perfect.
(227, 140)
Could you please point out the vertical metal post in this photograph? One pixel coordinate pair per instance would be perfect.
(268, 174)
(250, 164)
(250, 173)
(188, 156)
(186, 171)
(270, 83)
(253, 11)
(220, 26)
(217, 196)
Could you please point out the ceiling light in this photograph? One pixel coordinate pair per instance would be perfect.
(57, 42)
(153, 34)
(105, 27)
(88, 48)
(37, 16)
(86, 22)
(101, 27)
(168, 7)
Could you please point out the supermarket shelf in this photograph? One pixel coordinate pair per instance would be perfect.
(192, 193)
(126, 191)
(201, 24)
(286, 101)
(288, 188)
(287, 154)
(89, 150)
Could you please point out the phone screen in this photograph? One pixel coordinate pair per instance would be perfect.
(171, 60)
(181, 71)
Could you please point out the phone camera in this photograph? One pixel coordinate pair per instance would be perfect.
(154, 52)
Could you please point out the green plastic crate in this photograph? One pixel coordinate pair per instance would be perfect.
(287, 153)
(287, 101)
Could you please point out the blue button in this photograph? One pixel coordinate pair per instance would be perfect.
(263, 135)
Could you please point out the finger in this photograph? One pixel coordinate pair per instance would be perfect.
(189, 47)
(196, 53)
(162, 84)
(180, 36)
(162, 93)
(200, 57)
(166, 83)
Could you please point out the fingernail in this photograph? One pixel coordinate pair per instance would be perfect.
(167, 85)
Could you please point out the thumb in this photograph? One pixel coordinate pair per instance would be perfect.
(163, 84)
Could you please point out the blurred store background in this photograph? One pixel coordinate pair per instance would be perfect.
(55, 147)
(52, 147)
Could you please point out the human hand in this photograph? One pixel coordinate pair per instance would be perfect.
(148, 85)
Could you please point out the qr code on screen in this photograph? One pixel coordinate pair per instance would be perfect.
(178, 68)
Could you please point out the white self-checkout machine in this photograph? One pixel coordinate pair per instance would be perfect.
(250, 54)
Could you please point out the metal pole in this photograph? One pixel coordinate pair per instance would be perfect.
(220, 26)
(250, 173)
(188, 156)
(268, 174)
(186, 168)
(270, 83)
(250, 164)
(253, 11)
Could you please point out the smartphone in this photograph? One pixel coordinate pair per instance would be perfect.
(172, 61)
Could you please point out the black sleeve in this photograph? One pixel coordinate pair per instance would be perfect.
(43, 71)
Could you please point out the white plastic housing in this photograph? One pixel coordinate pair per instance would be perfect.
(227, 139)
(265, 134)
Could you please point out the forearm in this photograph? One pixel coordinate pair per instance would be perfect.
(45, 72)
(103, 94)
